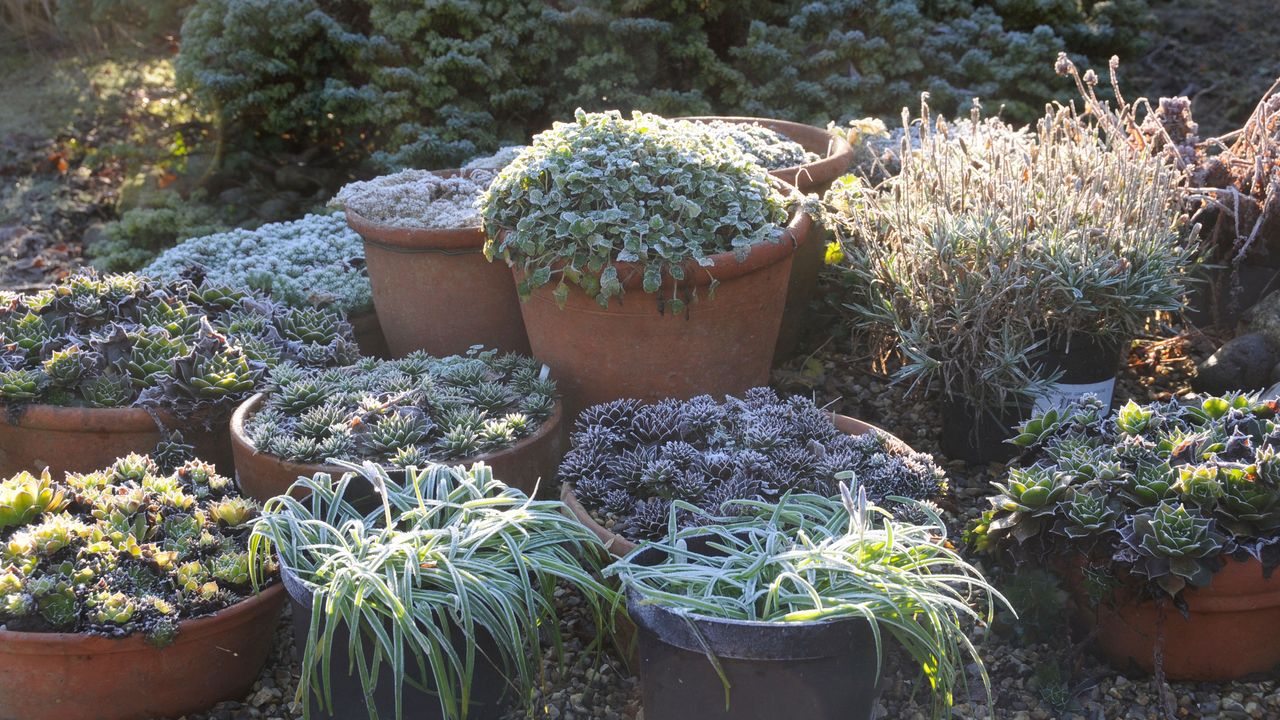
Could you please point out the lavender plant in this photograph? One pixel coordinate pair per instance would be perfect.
(128, 340)
(127, 549)
(605, 189)
(1163, 492)
(404, 412)
(629, 462)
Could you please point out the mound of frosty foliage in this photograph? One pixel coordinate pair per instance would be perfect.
(314, 261)
(417, 198)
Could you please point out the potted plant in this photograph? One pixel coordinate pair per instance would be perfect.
(430, 594)
(100, 366)
(432, 285)
(316, 261)
(1163, 521)
(810, 158)
(790, 614)
(500, 409)
(125, 593)
(630, 463)
(606, 207)
(1006, 269)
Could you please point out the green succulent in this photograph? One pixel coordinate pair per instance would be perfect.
(219, 296)
(231, 568)
(65, 368)
(1149, 484)
(1173, 547)
(153, 355)
(28, 333)
(459, 441)
(233, 511)
(490, 397)
(1038, 428)
(54, 534)
(1133, 419)
(113, 608)
(174, 318)
(25, 497)
(55, 601)
(311, 325)
(395, 431)
(222, 375)
(21, 385)
(1199, 484)
(1248, 506)
(107, 391)
(300, 395)
(496, 433)
(321, 421)
(1088, 514)
(410, 456)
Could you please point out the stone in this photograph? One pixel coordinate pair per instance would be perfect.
(1264, 318)
(1243, 363)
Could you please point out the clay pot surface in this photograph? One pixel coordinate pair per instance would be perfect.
(721, 345)
(369, 337)
(59, 676)
(435, 291)
(1232, 630)
(81, 439)
(529, 464)
(815, 177)
(620, 546)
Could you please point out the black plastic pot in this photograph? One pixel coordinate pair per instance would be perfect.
(1088, 364)
(488, 686)
(979, 436)
(813, 670)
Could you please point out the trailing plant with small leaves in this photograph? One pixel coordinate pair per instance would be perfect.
(426, 568)
(1163, 492)
(630, 462)
(128, 340)
(657, 195)
(315, 261)
(127, 549)
(405, 412)
(814, 559)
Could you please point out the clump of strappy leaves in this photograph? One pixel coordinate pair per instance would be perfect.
(630, 461)
(127, 549)
(127, 340)
(1164, 492)
(406, 412)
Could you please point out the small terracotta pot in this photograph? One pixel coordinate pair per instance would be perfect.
(815, 177)
(59, 676)
(1232, 629)
(369, 337)
(619, 546)
(722, 345)
(80, 439)
(528, 465)
(435, 291)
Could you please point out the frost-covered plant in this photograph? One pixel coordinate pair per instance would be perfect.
(496, 161)
(128, 340)
(605, 189)
(1163, 492)
(770, 148)
(417, 198)
(992, 239)
(403, 412)
(122, 550)
(449, 555)
(629, 461)
(314, 261)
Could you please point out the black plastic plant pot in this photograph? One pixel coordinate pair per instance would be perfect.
(1088, 365)
(488, 686)
(814, 670)
(978, 436)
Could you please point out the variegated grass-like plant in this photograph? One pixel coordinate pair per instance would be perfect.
(437, 561)
(811, 558)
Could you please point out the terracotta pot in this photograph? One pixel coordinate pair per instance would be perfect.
(619, 546)
(1232, 630)
(59, 676)
(722, 345)
(369, 335)
(434, 290)
(529, 464)
(815, 177)
(79, 439)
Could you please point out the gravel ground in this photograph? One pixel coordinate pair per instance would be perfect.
(1034, 674)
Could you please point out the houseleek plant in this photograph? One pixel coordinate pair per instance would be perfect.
(436, 561)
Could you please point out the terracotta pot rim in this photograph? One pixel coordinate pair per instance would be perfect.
(1211, 599)
(250, 406)
(621, 546)
(37, 643)
(417, 238)
(724, 265)
(834, 161)
(40, 416)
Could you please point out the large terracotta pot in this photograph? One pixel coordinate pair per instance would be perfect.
(815, 177)
(60, 676)
(368, 331)
(434, 290)
(528, 465)
(619, 546)
(80, 439)
(1232, 628)
(722, 345)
